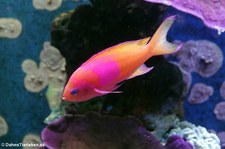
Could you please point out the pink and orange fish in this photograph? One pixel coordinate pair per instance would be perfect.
(102, 73)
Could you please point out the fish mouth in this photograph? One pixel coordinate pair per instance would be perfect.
(67, 99)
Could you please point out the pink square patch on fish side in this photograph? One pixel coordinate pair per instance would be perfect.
(108, 72)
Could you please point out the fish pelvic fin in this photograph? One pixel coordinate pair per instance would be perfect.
(106, 92)
(109, 90)
(158, 45)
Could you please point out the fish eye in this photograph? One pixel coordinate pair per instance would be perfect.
(74, 91)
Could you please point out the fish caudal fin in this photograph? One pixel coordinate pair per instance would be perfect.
(158, 45)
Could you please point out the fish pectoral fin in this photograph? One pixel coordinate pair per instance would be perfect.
(105, 92)
(143, 69)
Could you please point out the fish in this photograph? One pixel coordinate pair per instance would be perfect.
(105, 71)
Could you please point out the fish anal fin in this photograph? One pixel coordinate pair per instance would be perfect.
(143, 69)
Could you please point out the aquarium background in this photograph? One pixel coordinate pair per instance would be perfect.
(25, 112)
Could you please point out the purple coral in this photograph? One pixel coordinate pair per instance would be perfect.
(177, 142)
(219, 111)
(222, 90)
(202, 56)
(200, 93)
(92, 131)
(211, 12)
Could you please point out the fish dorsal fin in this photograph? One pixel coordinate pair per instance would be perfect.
(143, 42)
(143, 69)
(105, 92)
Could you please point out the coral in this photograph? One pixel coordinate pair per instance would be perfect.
(176, 142)
(54, 65)
(55, 114)
(221, 136)
(51, 73)
(49, 5)
(28, 66)
(92, 131)
(51, 57)
(202, 56)
(219, 111)
(33, 140)
(200, 93)
(36, 81)
(222, 90)
(159, 125)
(10, 28)
(198, 136)
(54, 94)
(3, 127)
(208, 11)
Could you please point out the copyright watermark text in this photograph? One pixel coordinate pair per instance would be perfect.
(6, 144)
